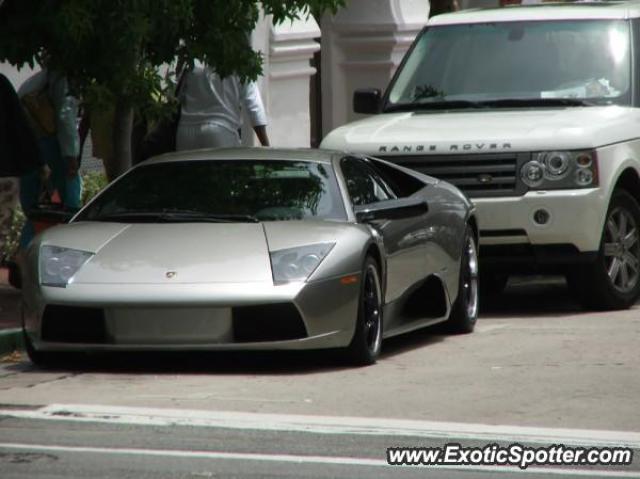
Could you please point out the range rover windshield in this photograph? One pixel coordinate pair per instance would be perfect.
(536, 63)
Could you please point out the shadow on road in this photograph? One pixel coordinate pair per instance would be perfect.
(269, 363)
(531, 297)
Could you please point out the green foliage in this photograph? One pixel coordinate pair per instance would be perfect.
(112, 49)
(10, 243)
(92, 184)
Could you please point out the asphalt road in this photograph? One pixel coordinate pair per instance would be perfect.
(537, 370)
(74, 448)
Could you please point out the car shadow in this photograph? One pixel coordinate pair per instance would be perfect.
(526, 297)
(273, 363)
(269, 363)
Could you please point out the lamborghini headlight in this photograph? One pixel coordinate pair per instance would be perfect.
(297, 264)
(551, 170)
(58, 265)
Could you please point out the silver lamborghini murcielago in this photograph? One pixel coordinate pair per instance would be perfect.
(254, 249)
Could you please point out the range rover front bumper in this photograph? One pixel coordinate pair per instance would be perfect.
(574, 219)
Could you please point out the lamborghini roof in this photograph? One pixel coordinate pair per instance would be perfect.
(295, 154)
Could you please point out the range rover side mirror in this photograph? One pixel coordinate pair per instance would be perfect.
(367, 100)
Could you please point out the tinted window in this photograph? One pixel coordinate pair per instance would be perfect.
(401, 183)
(265, 190)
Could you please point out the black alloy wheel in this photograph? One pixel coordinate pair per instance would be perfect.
(367, 339)
(464, 312)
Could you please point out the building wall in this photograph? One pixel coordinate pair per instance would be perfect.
(287, 50)
(361, 47)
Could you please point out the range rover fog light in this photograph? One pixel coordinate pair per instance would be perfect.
(541, 217)
(532, 173)
(584, 177)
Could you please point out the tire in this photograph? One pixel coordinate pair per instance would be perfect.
(365, 346)
(612, 281)
(464, 312)
(39, 358)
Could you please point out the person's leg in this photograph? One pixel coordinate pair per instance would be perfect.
(69, 188)
(31, 188)
(73, 191)
(29, 196)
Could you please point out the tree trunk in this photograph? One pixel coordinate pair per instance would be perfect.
(122, 129)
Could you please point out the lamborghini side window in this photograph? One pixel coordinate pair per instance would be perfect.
(363, 184)
(401, 183)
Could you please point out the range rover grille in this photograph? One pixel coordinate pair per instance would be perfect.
(477, 175)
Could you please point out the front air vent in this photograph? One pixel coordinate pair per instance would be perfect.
(267, 322)
(73, 324)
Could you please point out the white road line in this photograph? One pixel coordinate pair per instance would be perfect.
(302, 459)
(327, 425)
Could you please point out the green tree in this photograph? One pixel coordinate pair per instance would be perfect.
(112, 51)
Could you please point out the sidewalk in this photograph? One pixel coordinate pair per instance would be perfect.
(10, 332)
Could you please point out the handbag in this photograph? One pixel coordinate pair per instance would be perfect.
(41, 111)
(162, 137)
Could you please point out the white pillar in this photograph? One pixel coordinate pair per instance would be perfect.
(287, 49)
(361, 47)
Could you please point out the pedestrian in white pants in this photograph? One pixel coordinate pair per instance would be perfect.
(211, 110)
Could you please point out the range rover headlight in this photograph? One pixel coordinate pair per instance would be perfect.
(58, 265)
(297, 264)
(552, 170)
(532, 173)
(557, 164)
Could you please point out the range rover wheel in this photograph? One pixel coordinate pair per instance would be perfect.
(367, 339)
(613, 280)
(464, 313)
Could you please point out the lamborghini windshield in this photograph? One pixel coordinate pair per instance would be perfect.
(537, 63)
(220, 191)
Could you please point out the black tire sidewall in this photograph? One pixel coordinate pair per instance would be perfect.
(592, 284)
(459, 320)
(619, 199)
(359, 348)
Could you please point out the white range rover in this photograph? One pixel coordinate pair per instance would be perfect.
(534, 112)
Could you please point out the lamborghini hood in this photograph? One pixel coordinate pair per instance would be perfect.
(167, 253)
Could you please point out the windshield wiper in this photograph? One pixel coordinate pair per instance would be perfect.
(435, 105)
(197, 216)
(129, 217)
(175, 216)
(519, 102)
(498, 103)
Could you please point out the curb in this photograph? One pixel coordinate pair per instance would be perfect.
(10, 340)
